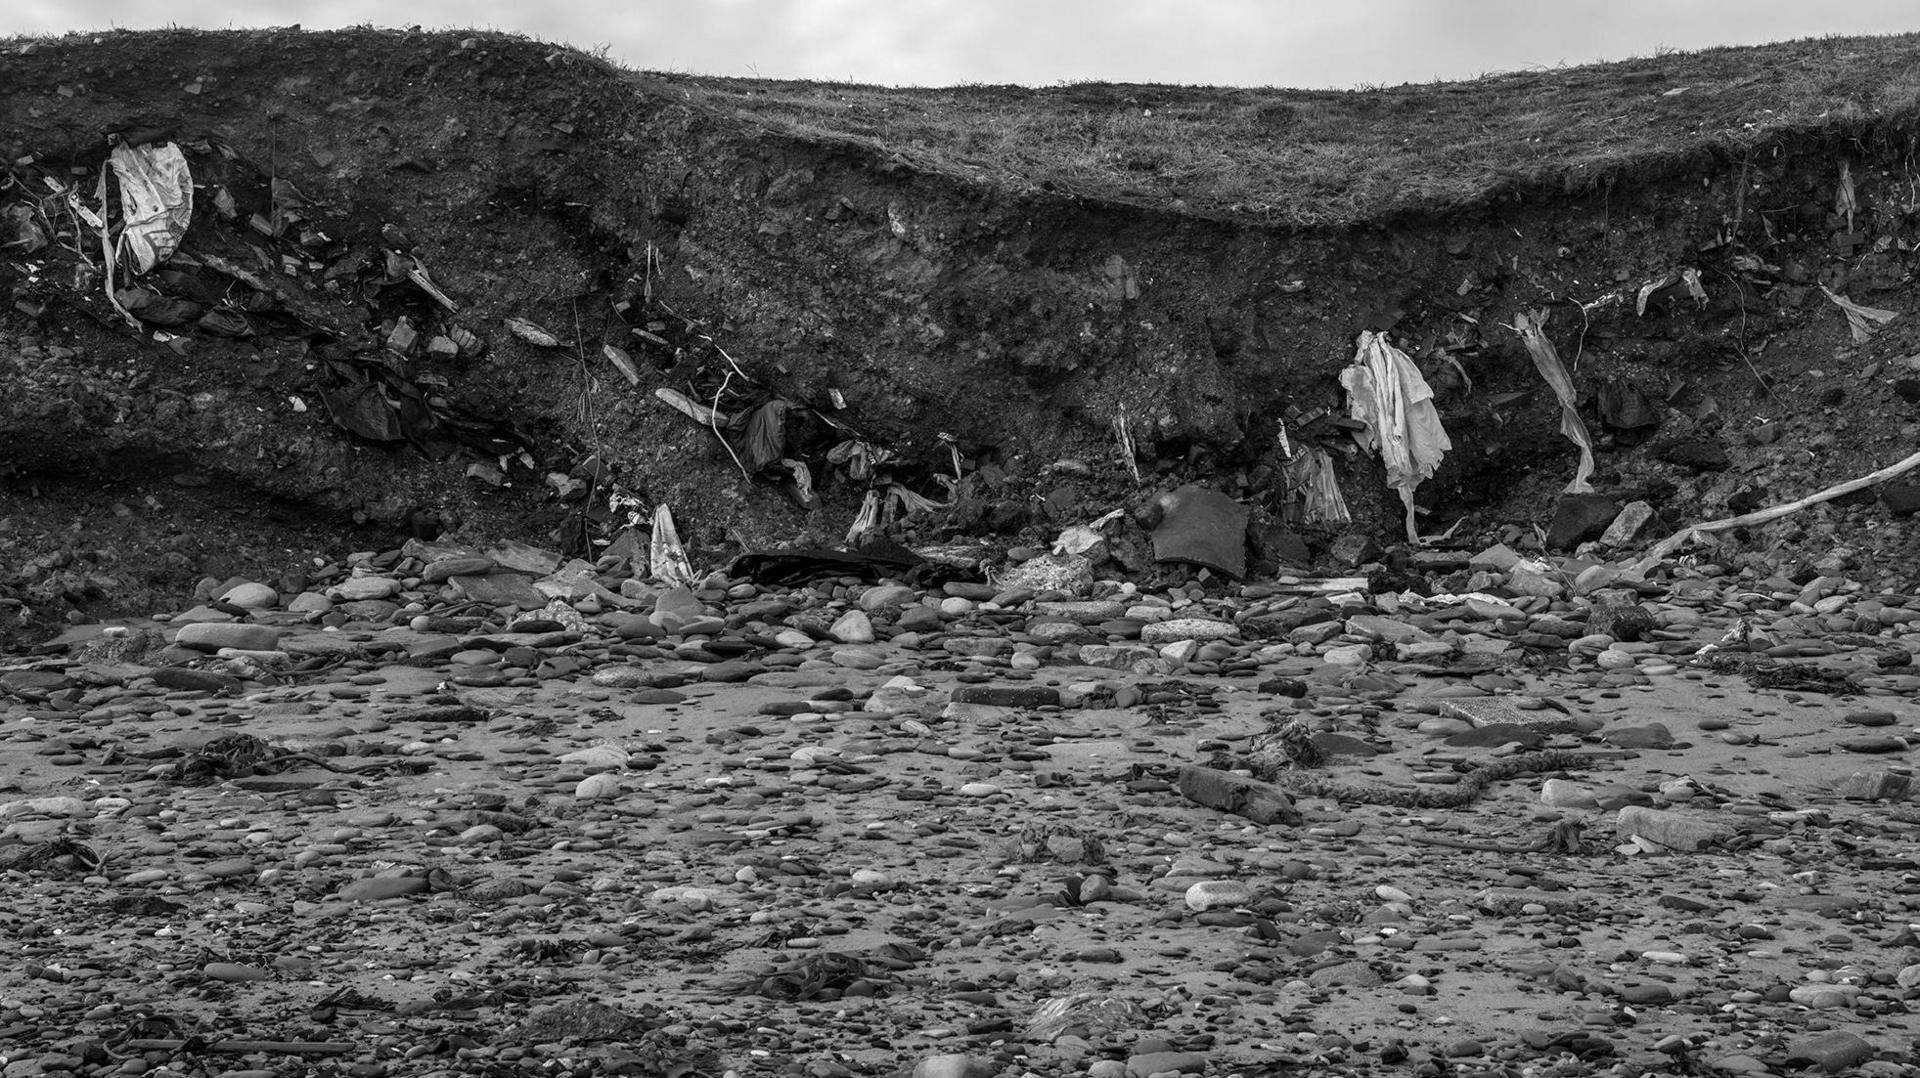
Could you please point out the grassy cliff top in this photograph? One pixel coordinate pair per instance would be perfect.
(1276, 156)
(1322, 157)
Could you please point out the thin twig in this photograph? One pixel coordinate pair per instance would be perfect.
(1124, 431)
(588, 416)
(1580, 342)
(1740, 345)
(713, 420)
(1740, 199)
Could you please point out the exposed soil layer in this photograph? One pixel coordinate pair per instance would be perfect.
(286, 358)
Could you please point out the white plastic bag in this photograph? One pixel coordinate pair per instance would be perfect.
(1547, 361)
(666, 557)
(1386, 392)
(1311, 473)
(156, 201)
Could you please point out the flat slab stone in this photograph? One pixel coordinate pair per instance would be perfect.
(524, 558)
(1006, 695)
(324, 644)
(34, 683)
(1203, 527)
(211, 636)
(1484, 711)
(503, 641)
(1173, 629)
(500, 589)
(1086, 612)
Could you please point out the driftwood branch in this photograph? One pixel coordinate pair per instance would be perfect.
(1673, 542)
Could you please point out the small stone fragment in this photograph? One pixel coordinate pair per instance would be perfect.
(1218, 894)
(212, 636)
(604, 786)
(1261, 802)
(1832, 1052)
(1673, 829)
(379, 888)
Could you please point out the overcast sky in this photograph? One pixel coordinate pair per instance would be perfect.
(1302, 43)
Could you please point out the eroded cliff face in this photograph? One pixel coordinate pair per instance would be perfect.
(328, 361)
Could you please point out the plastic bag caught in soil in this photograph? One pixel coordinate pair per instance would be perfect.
(1532, 329)
(156, 201)
(1860, 318)
(1387, 393)
(866, 523)
(766, 435)
(382, 405)
(20, 232)
(364, 410)
(1626, 411)
(1311, 474)
(666, 555)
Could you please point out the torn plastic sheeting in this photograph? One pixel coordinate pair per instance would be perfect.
(767, 434)
(1860, 319)
(156, 201)
(1627, 410)
(1081, 538)
(867, 521)
(109, 257)
(802, 479)
(23, 233)
(1689, 277)
(666, 555)
(1844, 201)
(364, 410)
(1321, 501)
(154, 309)
(381, 412)
(902, 502)
(880, 508)
(226, 322)
(1203, 527)
(860, 458)
(1532, 331)
(1386, 392)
